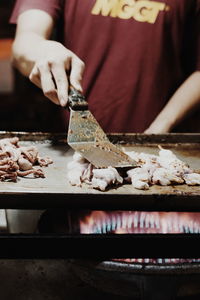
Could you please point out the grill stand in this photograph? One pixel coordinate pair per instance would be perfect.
(156, 288)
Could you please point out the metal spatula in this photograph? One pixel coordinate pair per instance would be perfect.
(86, 136)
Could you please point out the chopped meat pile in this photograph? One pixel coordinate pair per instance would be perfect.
(162, 169)
(16, 160)
(80, 170)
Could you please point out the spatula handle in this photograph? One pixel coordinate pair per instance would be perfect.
(77, 100)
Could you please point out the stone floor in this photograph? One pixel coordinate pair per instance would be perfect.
(44, 279)
(48, 280)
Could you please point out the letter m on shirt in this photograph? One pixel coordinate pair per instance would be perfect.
(105, 8)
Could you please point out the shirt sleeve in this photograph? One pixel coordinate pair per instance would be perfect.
(197, 30)
(52, 7)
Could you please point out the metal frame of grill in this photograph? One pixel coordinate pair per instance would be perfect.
(101, 246)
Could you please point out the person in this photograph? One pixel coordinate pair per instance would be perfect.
(137, 62)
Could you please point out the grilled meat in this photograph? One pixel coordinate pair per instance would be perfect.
(162, 169)
(105, 177)
(16, 160)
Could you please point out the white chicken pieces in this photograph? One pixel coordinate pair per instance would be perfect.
(80, 170)
(162, 169)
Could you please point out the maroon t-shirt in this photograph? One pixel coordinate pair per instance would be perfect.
(137, 53)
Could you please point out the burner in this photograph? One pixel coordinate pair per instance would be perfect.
(125, 222)
(141, 278)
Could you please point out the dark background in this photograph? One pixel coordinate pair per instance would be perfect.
(23, 106)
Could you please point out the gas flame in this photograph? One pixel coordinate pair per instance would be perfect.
(123, 222)
(120, 222)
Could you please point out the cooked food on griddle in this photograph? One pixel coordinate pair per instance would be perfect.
(80, 170)
(17, 160)
(162, 169)
(76, 169)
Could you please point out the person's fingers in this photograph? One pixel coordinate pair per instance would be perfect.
(35, 76)
(47, 83)
(76, 74)
(60, 77)
(52, 78)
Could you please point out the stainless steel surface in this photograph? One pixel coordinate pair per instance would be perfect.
(86, 136)
(54, 187)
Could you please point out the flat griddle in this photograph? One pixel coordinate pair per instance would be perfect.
(55, 191)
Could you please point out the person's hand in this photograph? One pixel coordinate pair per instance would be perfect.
(56, 69)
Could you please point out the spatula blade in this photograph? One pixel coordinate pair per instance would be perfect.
(86, 137)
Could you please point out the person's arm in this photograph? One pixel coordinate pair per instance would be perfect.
(184, 100)
(44, 61)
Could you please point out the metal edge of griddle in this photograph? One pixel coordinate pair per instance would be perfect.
(142, 138)
(121, 138)
(103, 201)
(99, 246)
(35, 136)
